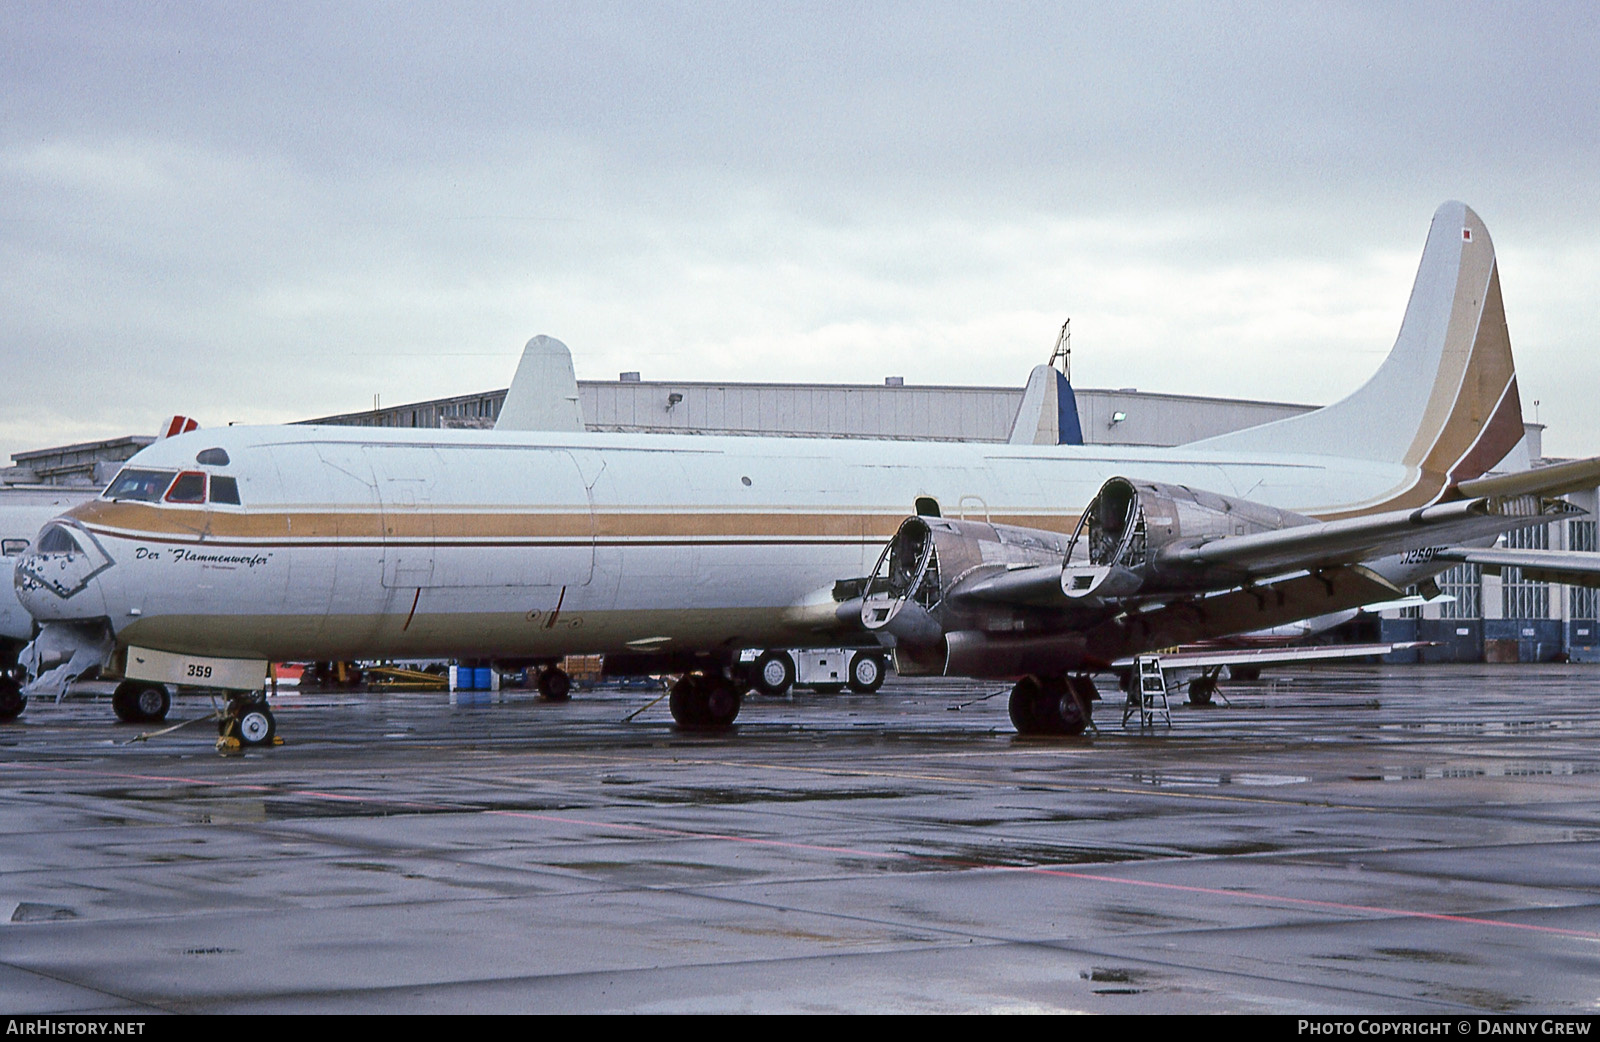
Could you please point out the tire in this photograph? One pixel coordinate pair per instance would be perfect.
(256, 725)
(152, 702)
(1201, 689)
(687, 701)
(772, 673)
(1023, 705)
(866, 672)
(137, 702)
(12, 700)
(1046, 705)
(705, 703)
(723, 702)
(1068, 716)
(555, 685)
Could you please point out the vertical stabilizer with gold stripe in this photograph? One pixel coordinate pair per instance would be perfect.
(1445, 401)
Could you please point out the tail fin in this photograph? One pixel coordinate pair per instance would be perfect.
(1048, 414)
(544, 392)
(176, 426)
(1445, 400)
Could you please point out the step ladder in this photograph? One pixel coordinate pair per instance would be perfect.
(1147, 693)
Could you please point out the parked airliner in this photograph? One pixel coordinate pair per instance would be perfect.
(217, 551)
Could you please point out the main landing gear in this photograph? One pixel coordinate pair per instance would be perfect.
(12, 700)
(554, 684)
(705, 701)
(1052, 705)
(247, 721)
(140, 702)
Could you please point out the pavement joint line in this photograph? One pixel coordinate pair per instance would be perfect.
(1377, 910)
(1061, 946)
(96, 989)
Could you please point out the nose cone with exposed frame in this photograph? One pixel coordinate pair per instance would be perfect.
(57, 578)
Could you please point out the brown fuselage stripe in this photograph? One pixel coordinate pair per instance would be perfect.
(444, 525)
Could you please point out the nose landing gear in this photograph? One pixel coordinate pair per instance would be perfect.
(247, 723)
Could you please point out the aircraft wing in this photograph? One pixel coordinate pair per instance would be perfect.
(1208, 659)
(1573, 567)
(1326, 544)
(1227, 561)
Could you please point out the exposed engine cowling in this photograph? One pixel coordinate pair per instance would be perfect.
(972, 598)
(1135, 526)
(909, 594)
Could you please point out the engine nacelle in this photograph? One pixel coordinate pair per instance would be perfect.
(1134, 525)
(974, 598)
(909, 595)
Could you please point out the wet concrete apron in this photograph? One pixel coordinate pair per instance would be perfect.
(1356, 839)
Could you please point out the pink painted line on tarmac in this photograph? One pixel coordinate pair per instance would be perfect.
(656, 830)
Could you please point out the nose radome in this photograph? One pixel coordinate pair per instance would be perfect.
(55, 578)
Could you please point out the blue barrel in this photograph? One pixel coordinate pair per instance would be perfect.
(480, 678)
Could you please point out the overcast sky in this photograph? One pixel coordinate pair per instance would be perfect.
(264, 212)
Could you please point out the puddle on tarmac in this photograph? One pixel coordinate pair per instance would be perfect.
(716, 797)
(1029, 856)
(1478, 727)
(28, 912)
(1428, 955)
(1478, 998)
(1130, 979)
(1172, 779)
(1440, 772)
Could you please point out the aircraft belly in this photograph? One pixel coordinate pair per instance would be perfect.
(476, 634)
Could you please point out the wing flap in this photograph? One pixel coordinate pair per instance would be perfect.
(1271, 656)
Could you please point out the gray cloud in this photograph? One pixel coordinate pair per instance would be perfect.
(262, 212)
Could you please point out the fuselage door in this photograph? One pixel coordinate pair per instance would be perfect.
(407, 479)
(461, 516)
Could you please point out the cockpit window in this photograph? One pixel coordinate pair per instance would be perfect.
(57, 540)
(224, 490)
(189, 488)
(144, 485)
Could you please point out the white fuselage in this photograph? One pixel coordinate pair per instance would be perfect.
(363, 543)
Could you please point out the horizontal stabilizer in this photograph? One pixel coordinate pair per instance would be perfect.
(1572, 567)
(1555, 480)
